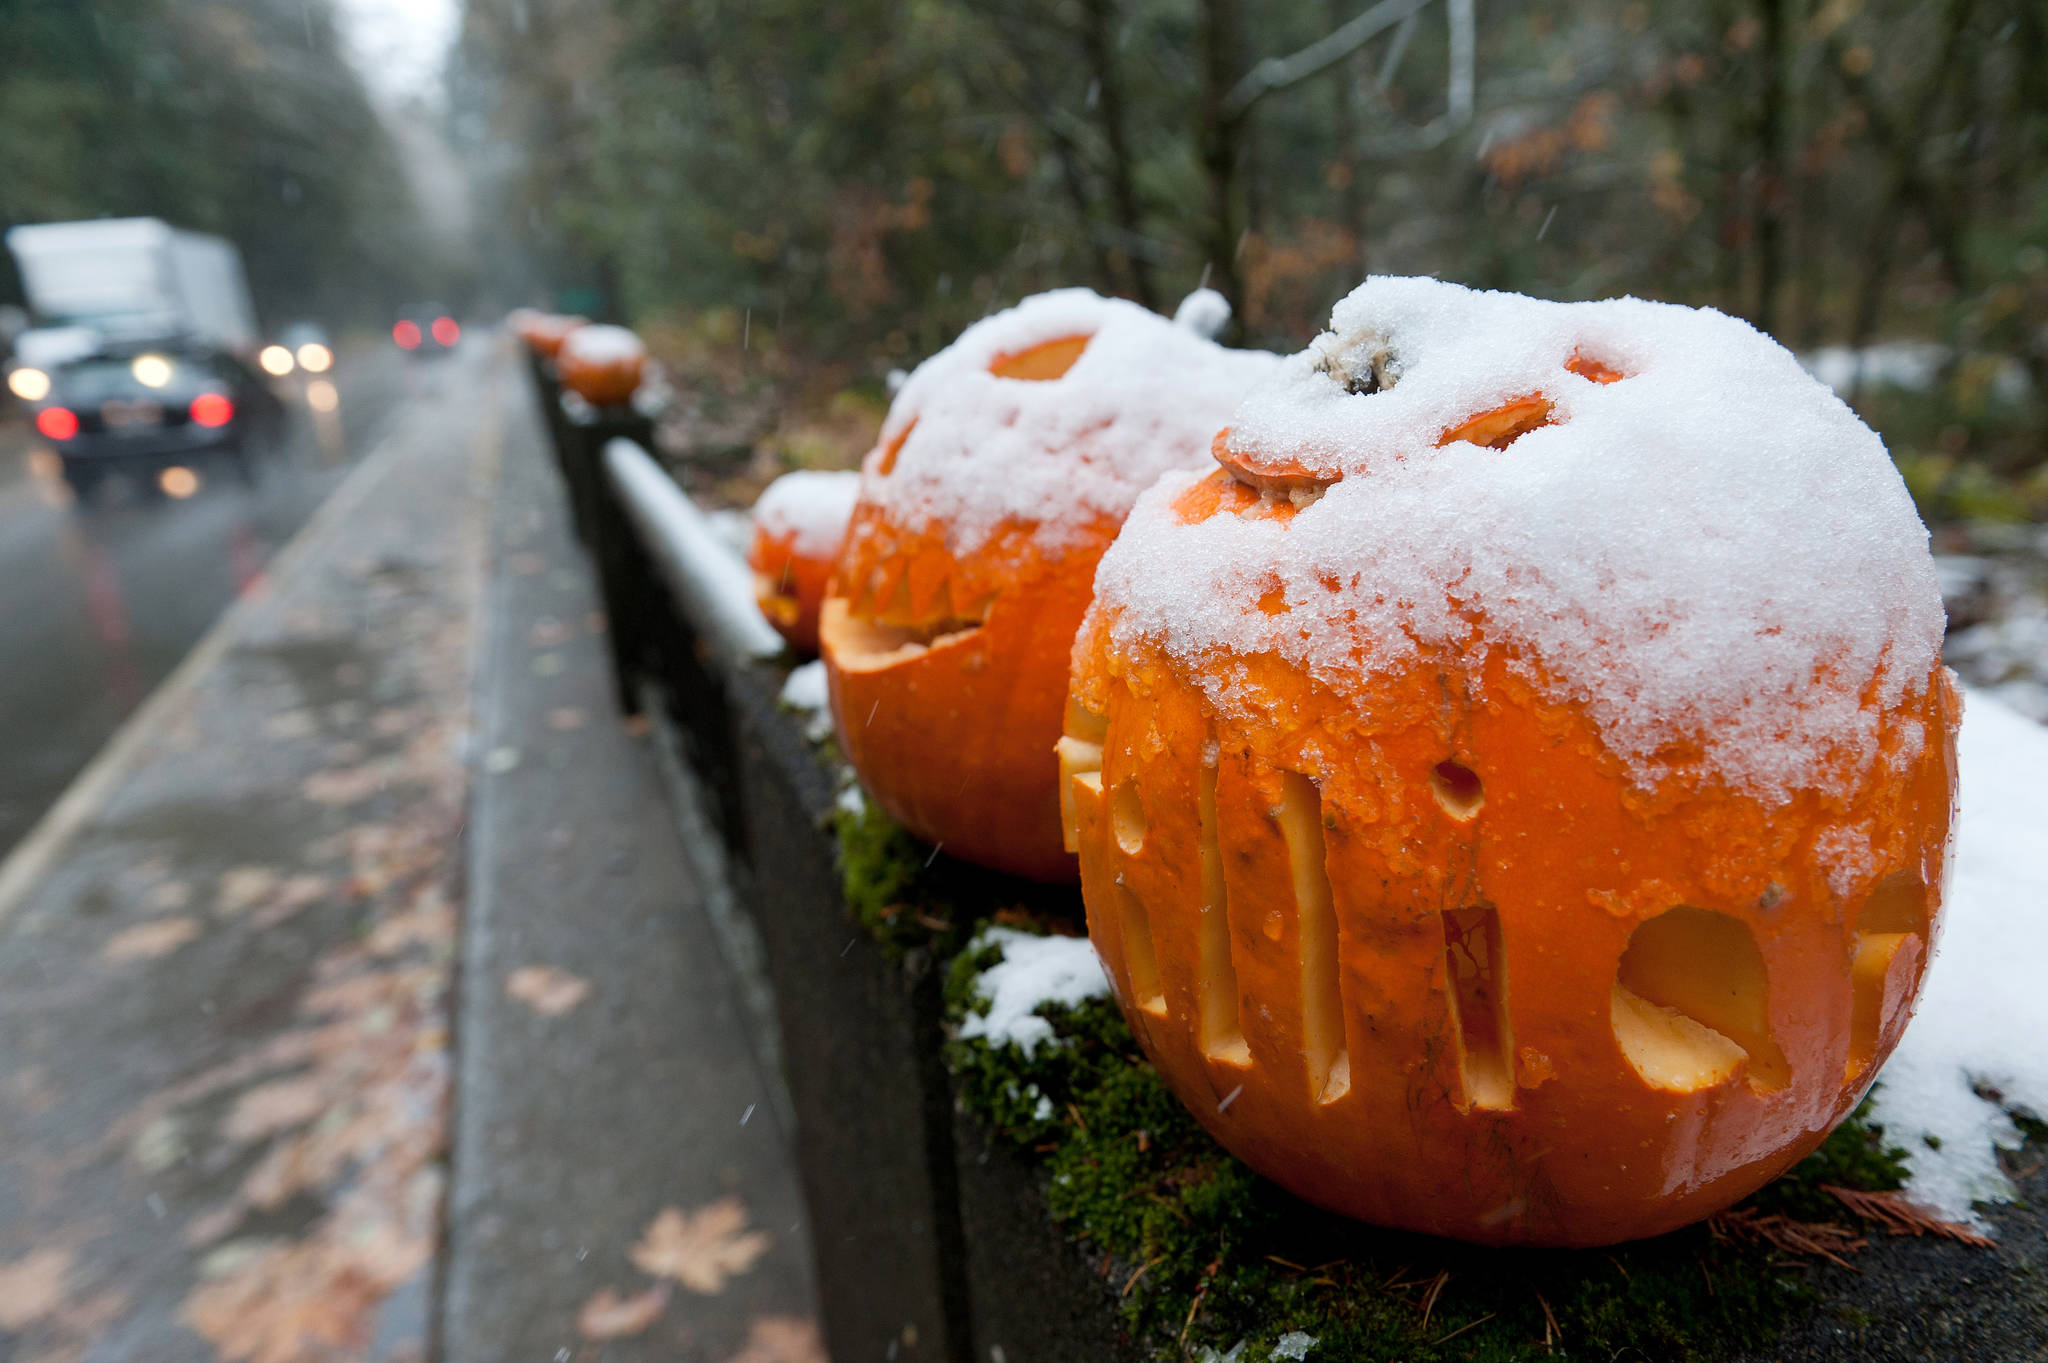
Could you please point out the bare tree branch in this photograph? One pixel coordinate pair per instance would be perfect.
(1277, 73)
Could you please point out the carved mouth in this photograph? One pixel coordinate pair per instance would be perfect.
(863, 644)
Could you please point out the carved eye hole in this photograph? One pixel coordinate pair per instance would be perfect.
(1043, 362)
(1691, 1004)
(886, 465)
(1509, 422)
(1599, 371)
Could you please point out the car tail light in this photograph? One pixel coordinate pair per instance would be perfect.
(212, 409)
(446, 331)
(407, 334)
(57, 423)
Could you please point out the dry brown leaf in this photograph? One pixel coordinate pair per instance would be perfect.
(278, 1106)
(547, 634)
(244, 886)
(147, 941)
(546, 990)
(33, 1287)
(782, 1339)
(345, 785)
(607, 1315)
(567, 717)
(168, 897)
(700, 1249)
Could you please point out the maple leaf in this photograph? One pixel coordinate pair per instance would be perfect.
(782, 1339)
(33, 1287)
(700, 1249)
(147, 941)
(607, 1315)
(546, 990)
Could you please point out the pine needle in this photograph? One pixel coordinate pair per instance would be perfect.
(1902, 1216)
(1822, 1239)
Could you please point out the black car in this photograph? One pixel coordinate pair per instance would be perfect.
(426, 329)
(139, 412)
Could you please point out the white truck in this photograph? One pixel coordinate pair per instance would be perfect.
(136, 279)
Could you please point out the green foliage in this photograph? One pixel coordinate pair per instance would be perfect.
(1208, 1254)
(241, 117)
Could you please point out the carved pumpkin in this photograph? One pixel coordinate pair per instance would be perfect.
(1005, 466)
(544, 332)
(799, 525)
(603, 365)
(1513, 794)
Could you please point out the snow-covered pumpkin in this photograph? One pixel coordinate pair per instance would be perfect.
(1513, 793)
(601, 364)
(799, 525)
(544, 332)
(1004, 468)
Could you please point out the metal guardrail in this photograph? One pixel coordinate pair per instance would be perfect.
(711, 581)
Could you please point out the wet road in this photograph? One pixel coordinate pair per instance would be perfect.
(98, 602)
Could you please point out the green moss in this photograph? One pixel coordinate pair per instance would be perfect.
(886, 877)
(1214, 1254)
(910, 897)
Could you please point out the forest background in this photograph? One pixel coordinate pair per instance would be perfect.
(793, 199)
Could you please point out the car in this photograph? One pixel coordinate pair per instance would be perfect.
(141, 411)
(426, 329)
(302, 347)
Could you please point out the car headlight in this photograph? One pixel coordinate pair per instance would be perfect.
(315, 358)
(30, 385)
(276, 360)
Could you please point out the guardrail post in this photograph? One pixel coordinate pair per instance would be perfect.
(583, 432)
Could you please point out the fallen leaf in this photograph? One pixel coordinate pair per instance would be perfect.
(147, 941)
(636, 726)
(245, 885)
(700, 1249)
(567, 717)
(168, 897)
(547, 634)
(33, 1287)
(292, 724)
(607, 1315)
(546, 990)
(277, 1106)
(782, 1339)
(345, 785)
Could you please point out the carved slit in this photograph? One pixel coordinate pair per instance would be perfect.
(1477, 975)
(1139, 957)
(1221, 1032)
(1322, 1003)
(1888, 951)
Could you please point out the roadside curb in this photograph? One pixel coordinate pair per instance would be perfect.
(89, 791)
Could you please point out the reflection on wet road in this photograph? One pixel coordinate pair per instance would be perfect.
(98, 602)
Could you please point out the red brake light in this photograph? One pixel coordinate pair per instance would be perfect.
(446, 331)
(57, 423)
(212, 409)
(407, 334)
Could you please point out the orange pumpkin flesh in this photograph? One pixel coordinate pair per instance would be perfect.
(606, 376)
(1372, 938)
(789, 587)
(545, 332)
(792, 554)
(948, 675)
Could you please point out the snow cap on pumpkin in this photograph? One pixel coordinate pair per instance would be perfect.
(809, 507)
(1711, 551)
(598, 343)
(1143, 397)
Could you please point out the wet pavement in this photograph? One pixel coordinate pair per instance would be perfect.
(99, 602)
(233, 1049)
